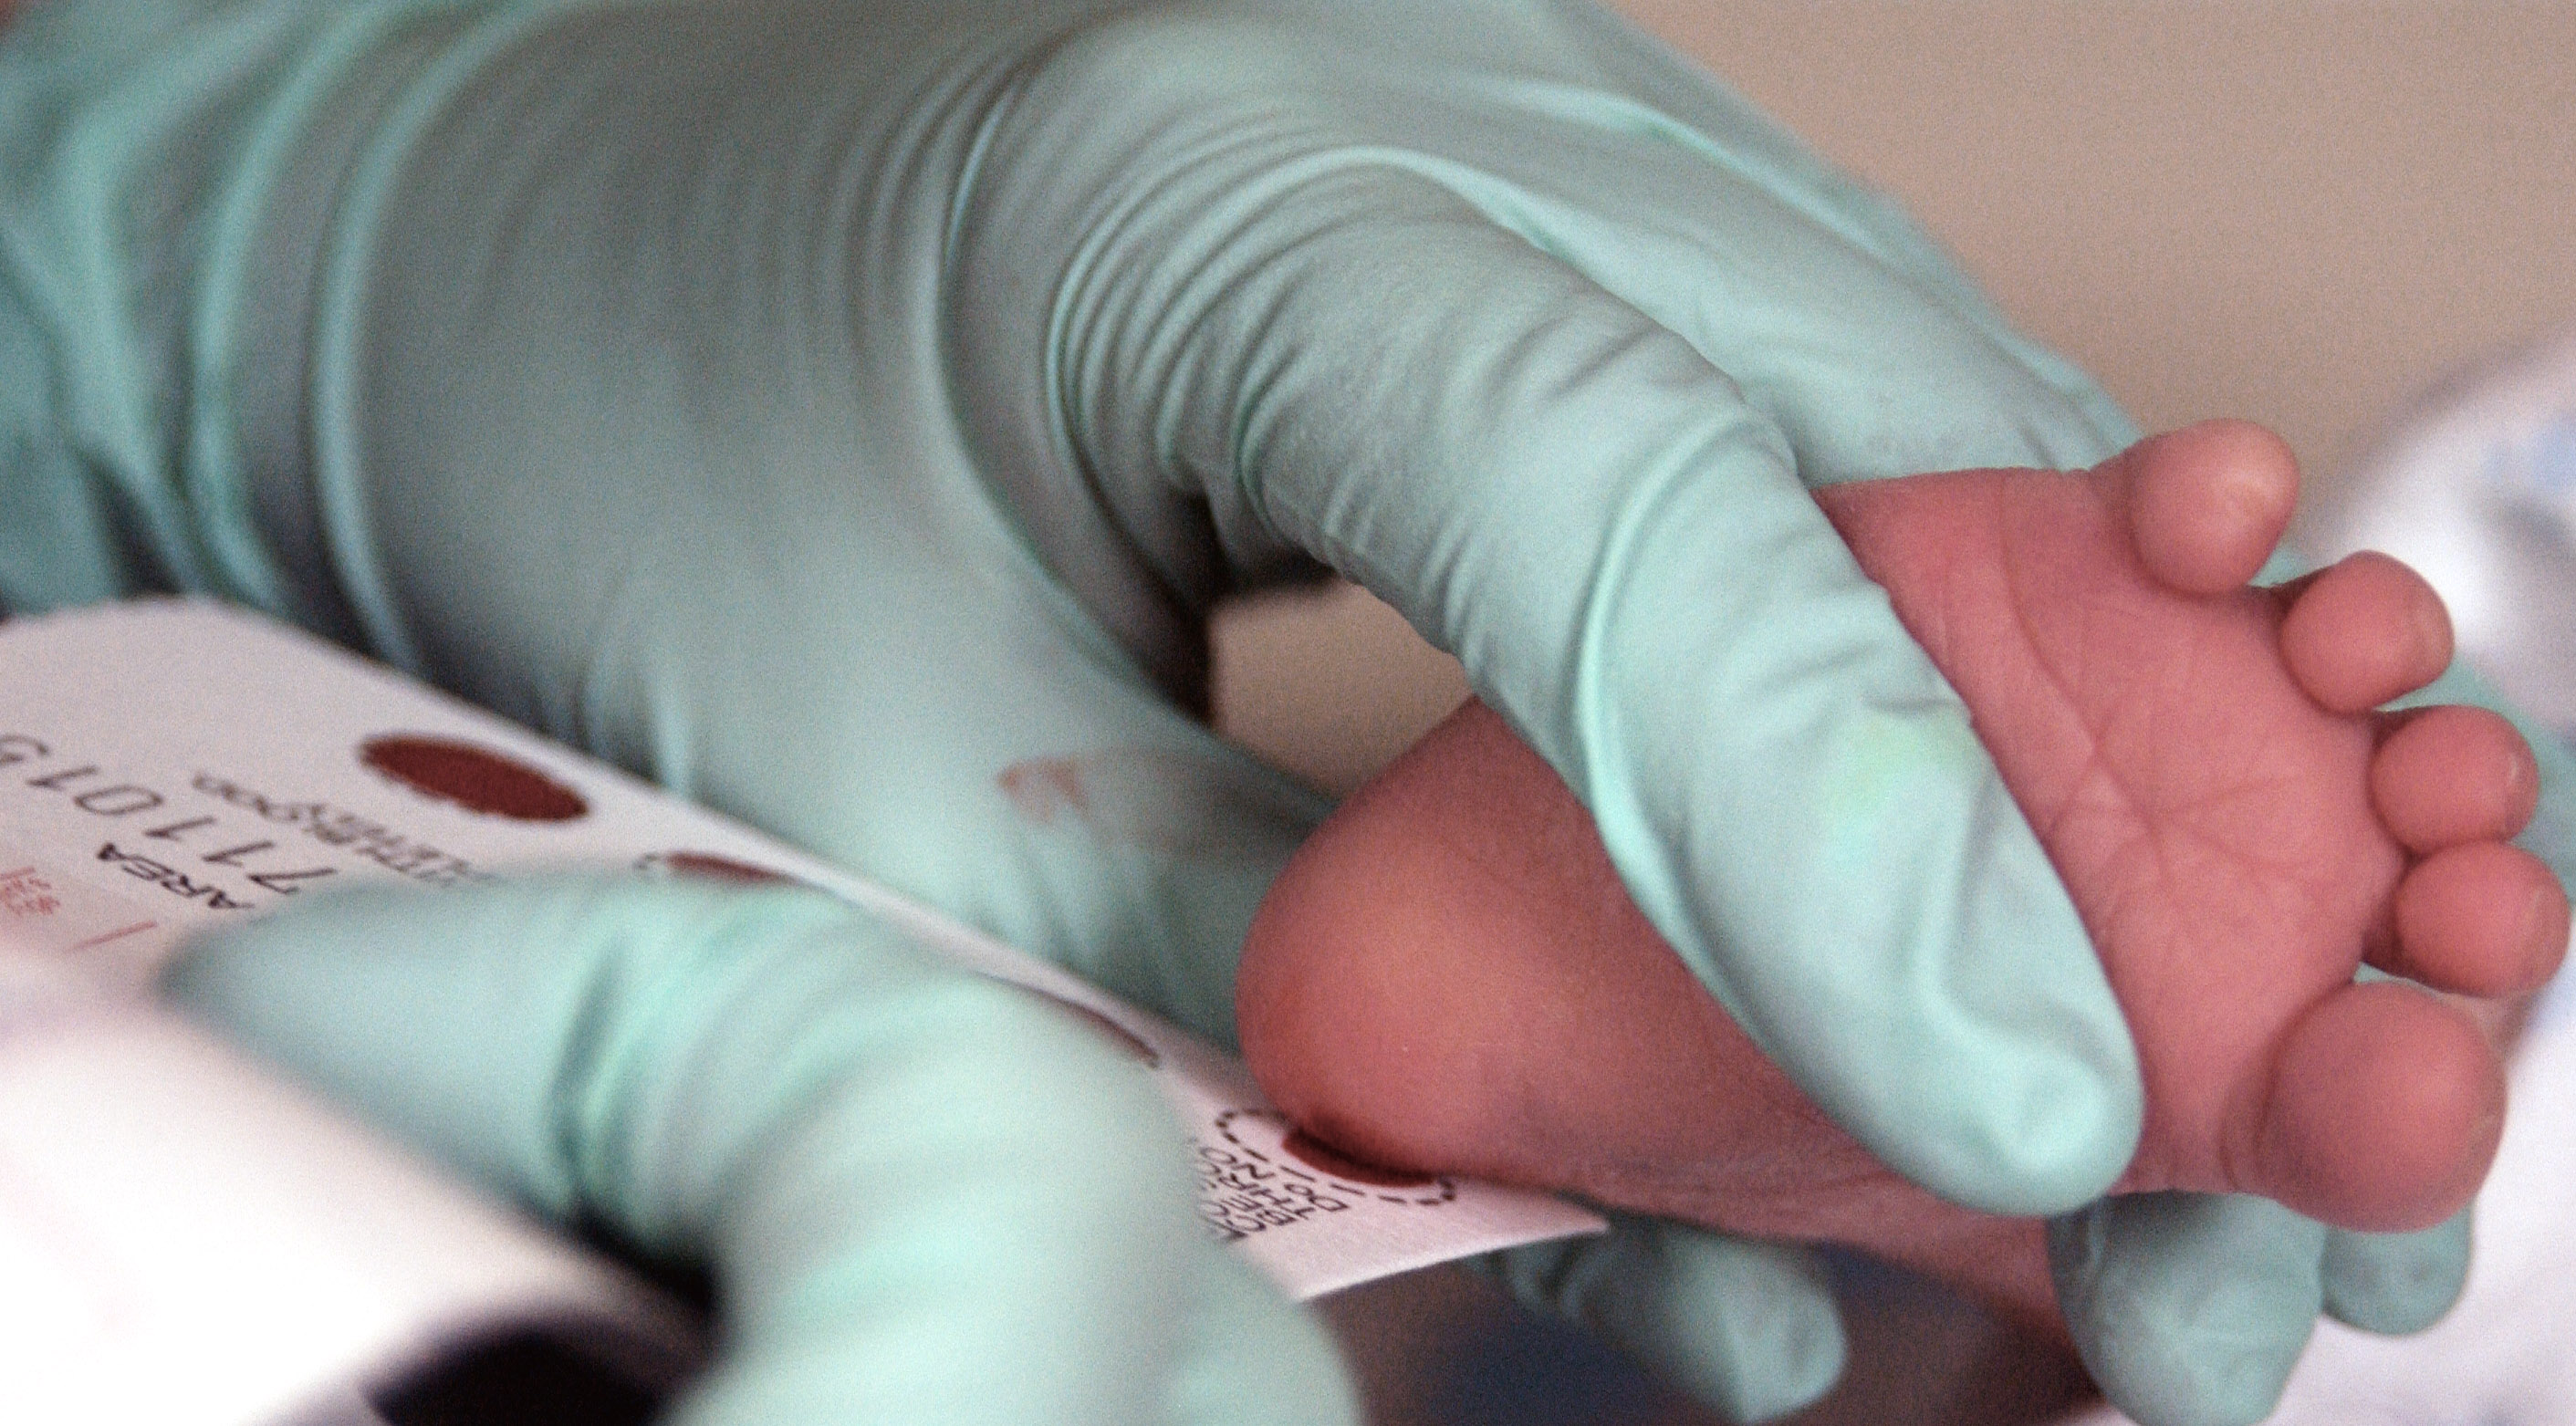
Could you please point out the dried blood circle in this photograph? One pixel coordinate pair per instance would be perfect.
(1314, 1153)
(474, 778)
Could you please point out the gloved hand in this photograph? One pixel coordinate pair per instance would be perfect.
(846, 414)
(929, 1197)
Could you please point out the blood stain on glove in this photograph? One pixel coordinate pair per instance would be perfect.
(474, 778)
(1171, 801)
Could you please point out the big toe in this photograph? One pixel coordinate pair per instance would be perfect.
(2206, 504)
(2384, 1111)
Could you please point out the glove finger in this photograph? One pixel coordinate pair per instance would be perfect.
(782, 596)
(1831, 313)
(2397, 1283)
(1746, 1326)
(2189, 1309)
(1601, 51)
(902, 1173)
(1252, 1358)
(1334, 350)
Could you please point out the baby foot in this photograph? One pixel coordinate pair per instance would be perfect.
(1450, 975)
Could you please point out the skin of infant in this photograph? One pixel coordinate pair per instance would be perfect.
(1450, 977)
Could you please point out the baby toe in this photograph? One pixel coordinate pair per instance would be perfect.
(2208, 503)
(2483, 918)
(2364, 631)
(2448, 776)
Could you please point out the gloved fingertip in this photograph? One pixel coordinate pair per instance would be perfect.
(326, 964)
(335, 986)
(2397, 1283)
(1978, 1048)
(1253, 1358)
(1748, 1327)
(2188, 1309)
(218, 977)
(2074, 1135)
(2051, 1122)
(450, 1017)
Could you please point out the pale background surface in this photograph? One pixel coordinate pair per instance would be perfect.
(2302, 213)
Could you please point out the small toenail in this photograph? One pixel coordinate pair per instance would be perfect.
(2432, 632)
(2525, 773)
(2253, 490)
(2540, 925)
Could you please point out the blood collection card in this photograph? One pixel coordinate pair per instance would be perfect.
(170, 766)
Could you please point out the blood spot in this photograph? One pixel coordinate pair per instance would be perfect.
(474, 778)
(1045, 788)
(1314, 1153)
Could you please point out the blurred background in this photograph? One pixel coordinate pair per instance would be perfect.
(2304, 212)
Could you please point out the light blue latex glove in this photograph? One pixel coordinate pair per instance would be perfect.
(847, 413)
(929, 1197)
(2177, 1343)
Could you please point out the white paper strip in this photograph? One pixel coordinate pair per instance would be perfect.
(170, 766)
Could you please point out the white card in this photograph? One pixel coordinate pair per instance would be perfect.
(170, 766)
